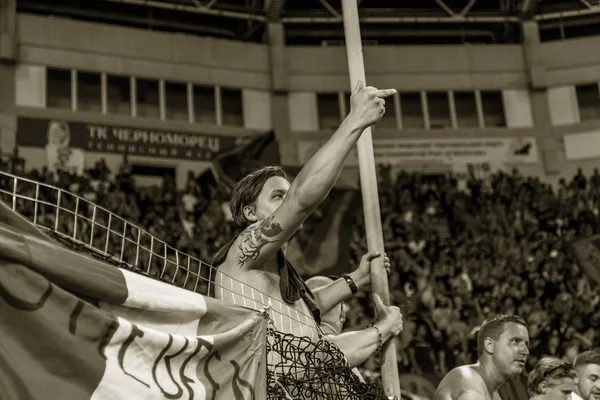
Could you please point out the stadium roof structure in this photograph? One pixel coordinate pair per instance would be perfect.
(319, 22)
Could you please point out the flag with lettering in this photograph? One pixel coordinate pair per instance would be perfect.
(74, 327)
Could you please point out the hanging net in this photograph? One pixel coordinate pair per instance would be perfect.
(312, 370)
(299, 366)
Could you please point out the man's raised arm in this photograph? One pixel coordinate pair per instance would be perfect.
(261, 240)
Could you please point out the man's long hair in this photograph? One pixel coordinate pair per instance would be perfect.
(246, 192)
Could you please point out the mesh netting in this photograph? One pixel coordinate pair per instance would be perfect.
(298, 366)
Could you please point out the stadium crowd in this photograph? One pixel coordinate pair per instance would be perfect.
(498, 244)
(461, 251)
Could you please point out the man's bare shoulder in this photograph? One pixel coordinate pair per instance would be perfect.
(462, 383)
(231, 276)
(465, 372)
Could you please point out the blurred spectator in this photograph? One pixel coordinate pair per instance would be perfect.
(551, 379)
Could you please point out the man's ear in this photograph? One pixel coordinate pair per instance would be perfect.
(488, 345)
(250, 214)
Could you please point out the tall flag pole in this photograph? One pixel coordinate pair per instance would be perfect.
(370, 196)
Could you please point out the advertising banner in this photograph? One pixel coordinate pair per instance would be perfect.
(453, 154)
(59, 135)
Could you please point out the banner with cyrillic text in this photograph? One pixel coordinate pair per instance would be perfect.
(108, 138)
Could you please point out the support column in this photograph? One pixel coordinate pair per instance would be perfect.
(532, 53)
(280, 118)
(8, 30)
(549, 140)
(8, 59)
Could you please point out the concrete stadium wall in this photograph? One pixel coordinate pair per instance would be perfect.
(280, 84)
(58, 42)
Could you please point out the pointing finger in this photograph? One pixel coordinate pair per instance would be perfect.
(385, 93)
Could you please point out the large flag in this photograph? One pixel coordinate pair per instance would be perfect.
(73, 327)
(248, 155)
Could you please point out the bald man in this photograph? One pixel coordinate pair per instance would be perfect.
(502, 345)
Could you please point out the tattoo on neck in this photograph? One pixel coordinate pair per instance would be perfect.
(255, 238)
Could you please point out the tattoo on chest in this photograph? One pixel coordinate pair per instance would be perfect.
(255, 238)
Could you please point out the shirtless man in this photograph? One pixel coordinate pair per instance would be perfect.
(502, 346)
(587, 366)
(271, 211)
